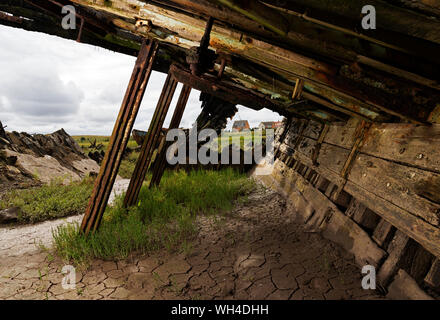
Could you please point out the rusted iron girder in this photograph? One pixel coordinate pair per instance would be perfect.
(120, 136)
(150, 141)
(160, 162)
(225, 91)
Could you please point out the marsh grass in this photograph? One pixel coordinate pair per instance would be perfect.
(128, 162)
(164, 217)
(127, 165)
(51, 201)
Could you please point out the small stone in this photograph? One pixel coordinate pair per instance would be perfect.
(9, 215)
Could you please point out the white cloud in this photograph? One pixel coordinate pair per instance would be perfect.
(47, 83)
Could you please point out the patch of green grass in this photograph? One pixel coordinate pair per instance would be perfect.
(127, 165)
(163, 218)
(84, 142)
(49, 201)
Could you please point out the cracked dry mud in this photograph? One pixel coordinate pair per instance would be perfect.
(256, 251)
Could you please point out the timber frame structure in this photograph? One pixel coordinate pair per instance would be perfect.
(359, 152)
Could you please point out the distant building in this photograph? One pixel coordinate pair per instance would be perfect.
(269, 125)
(240, 125)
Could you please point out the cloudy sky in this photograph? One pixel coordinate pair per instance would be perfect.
(47, 83)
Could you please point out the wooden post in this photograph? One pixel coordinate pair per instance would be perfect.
(150, 141)
(361, 131)
(120, 136)
(362, 128)
(297, 91)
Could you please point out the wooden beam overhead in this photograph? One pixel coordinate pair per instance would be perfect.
(225, 91)
(260, 13)
(356, 94)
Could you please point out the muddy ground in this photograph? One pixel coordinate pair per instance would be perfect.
(257, 251)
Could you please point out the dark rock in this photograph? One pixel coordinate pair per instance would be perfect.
(4, 142)
(93, 174)
(2, 132)
(97, 156)
(9, 215)
(11, 160)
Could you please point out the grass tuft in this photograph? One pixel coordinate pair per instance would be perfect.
(163, 218)
(49, 201)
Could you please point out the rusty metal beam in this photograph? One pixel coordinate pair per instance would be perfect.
(160, 162)
(120, 136)
(150, 141)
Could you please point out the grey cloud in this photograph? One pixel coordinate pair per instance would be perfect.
(41, 96)
(34, 98)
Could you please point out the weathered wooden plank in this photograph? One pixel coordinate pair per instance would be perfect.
(383, 233)
(409, 188)
(420, 264)
(322, 183)
(404, 287)
(323, 170)
(362, 215)
(313, 130)
(433, 276)
(321, 138)
(405, 143)
(332, 157)
(396, 251)
(424, 233)
(306, 146)
(334, 224)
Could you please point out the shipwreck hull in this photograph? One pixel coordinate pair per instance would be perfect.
(358, 156)
(368, 189)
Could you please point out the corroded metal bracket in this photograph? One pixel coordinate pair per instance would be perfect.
(120, 136)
